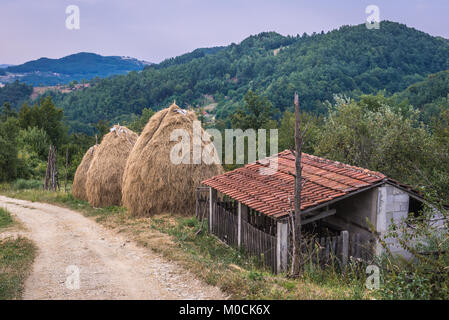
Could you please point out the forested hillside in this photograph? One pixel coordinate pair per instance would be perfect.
(15, 94)
(351, 60)
(75, 67)
(431, 95)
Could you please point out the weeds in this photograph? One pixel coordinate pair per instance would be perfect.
(5, 218)
(21, 184)
(16, 258)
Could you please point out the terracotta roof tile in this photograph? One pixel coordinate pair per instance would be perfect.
(325, 180)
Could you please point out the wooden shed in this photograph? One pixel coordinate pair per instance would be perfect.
(249, 207)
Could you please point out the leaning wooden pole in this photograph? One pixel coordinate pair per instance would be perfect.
(66, 168)
(298, 188)
(51, 174)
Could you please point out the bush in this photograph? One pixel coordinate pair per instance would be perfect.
(21, 184)
(406, 285)
(426, 274)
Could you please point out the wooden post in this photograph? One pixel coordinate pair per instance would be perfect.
(66, 168)
(239, 226)
(281, 246)
(197, 211)
(51, 175)
(344, 248)
(296, 260)
(212, 201)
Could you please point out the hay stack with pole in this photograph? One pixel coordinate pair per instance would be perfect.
(105, 174)
(79, 181)
(152, 183)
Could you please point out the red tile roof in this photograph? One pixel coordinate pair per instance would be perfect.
(324, 180)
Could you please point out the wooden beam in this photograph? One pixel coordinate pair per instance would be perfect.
(319, 216)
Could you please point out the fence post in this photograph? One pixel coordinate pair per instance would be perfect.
(344, 248)
(281, 246)
(197, 205)
(239, 225)
(212, 200)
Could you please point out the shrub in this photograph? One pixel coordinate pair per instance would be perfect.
(21, 184)
(426, 274)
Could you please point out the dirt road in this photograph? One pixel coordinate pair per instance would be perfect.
(110, 267)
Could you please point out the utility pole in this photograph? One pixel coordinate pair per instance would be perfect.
(298, 188)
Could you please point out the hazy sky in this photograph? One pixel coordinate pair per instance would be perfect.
(155, 30)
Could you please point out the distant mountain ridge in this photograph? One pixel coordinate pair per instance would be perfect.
(350, 60)
(79, 66)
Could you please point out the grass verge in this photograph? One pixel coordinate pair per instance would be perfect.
(5, 218)
(16, 258)
(178, 240)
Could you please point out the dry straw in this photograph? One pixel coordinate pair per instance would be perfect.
(105, 174)
(79, 181)
(152, 184)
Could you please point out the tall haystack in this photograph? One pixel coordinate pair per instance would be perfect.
(152, 183)
(79, 181)
(105, 174)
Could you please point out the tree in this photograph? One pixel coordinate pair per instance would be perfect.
(102, 128)
(34, 140)
(287, 131)
(46, 116)
(255, 114)
(7, 112)
(8, 149)
(378, 137)
(139, 123)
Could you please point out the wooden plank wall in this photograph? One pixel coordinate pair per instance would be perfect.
(254, 242)
(224, 225)
(260, 244)
(326, 251)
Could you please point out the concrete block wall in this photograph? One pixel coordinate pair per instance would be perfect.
(393, 205)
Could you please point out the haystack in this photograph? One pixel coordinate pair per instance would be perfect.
(151, 182)
(79, 181)
(105, 174)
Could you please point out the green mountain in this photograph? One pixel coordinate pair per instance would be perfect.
(350, 60)
(80, 66)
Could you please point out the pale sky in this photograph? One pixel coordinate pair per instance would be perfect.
(155, 30)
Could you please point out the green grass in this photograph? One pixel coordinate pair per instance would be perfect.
(60, 198)
(5, 218)
(16, 258)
